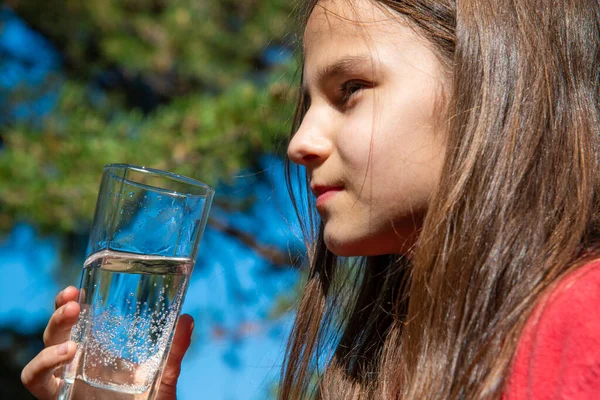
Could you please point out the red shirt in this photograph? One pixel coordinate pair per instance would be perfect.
(558, 354)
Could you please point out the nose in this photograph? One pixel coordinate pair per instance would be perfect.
(312, 143)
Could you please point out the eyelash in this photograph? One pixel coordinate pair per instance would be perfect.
(347, 86)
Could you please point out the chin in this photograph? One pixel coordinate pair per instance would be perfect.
(342, 251)
(353, 248)
(374, 246)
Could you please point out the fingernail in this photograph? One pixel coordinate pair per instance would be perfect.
(63, 348)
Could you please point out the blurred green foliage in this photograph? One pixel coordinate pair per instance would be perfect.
(187, 91)
(203, 43)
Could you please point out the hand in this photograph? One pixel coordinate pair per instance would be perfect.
(42, 375)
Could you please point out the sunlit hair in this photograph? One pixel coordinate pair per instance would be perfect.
(517, 208)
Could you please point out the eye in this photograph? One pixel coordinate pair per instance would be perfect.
(349, 89)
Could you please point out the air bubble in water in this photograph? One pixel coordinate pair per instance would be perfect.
(121, 336)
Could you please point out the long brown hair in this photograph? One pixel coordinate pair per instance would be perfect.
(517, 207)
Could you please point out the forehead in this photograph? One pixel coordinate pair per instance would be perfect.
(350, 21)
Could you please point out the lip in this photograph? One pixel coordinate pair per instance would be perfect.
(324, 193)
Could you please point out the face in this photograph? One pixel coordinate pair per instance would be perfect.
(370, 140)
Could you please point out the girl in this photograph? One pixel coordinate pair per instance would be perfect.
(455, 146)
(453, 150)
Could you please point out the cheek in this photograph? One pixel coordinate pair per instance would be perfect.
(406, 162)
(392, 143)
(408, 138)
(355, 143)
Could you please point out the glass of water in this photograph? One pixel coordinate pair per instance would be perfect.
(143, 244)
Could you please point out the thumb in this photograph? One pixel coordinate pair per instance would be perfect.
(181, 342)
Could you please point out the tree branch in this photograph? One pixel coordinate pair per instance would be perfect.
(275, 256)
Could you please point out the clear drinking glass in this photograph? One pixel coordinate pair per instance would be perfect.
(143, 244)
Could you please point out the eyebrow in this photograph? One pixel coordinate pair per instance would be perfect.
(345, 65)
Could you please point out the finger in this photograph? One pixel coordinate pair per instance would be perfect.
(59, 327)
(37, 375)
(70, 293)
(181, 342)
